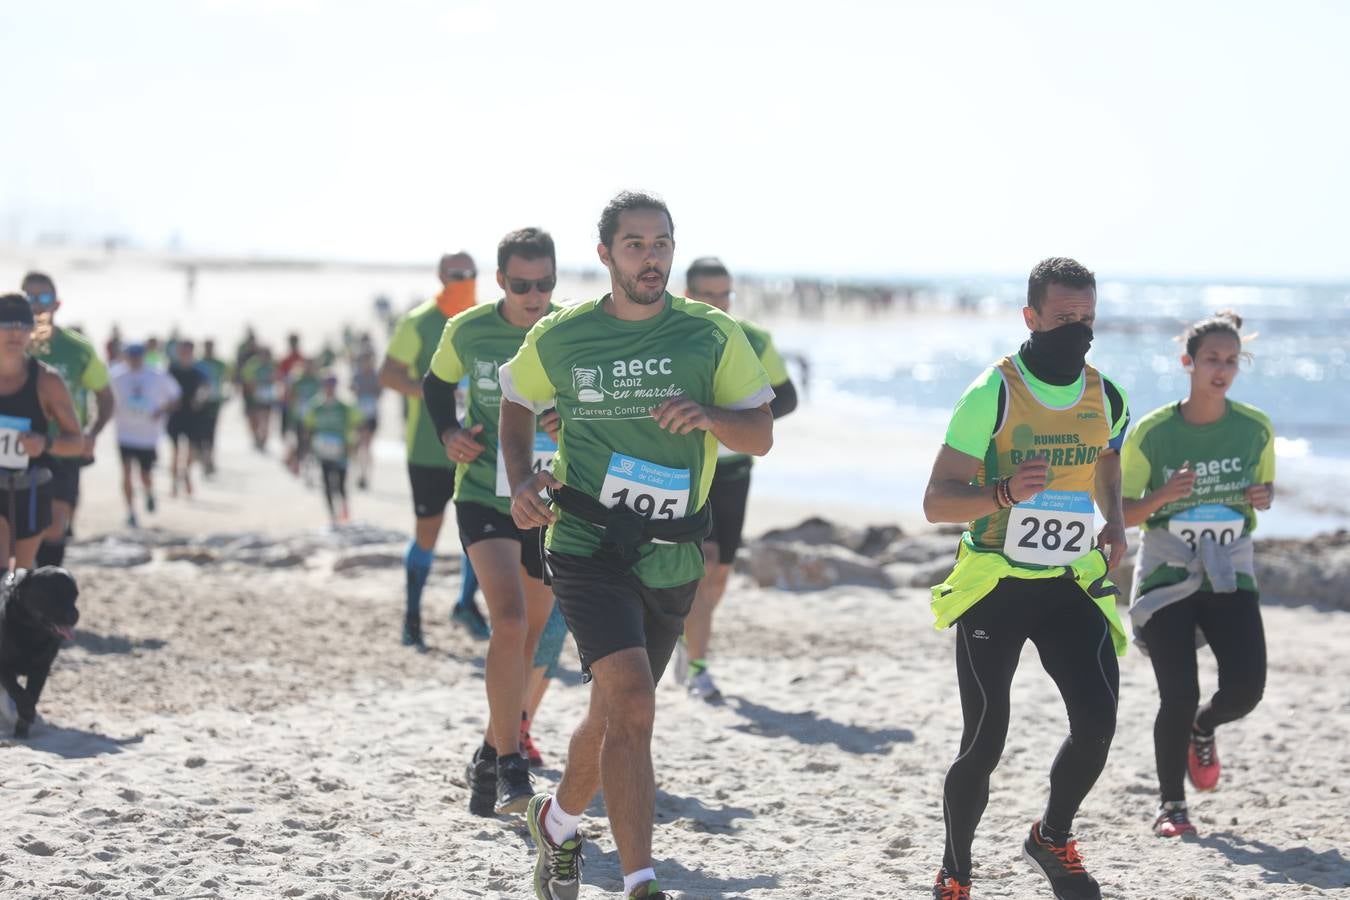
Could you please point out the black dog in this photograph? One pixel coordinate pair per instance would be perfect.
(37, 612)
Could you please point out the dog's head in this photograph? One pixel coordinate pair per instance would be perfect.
(47, 596)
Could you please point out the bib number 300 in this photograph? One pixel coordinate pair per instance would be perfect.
(1052, 529)
(651, 490)
(1221, 524)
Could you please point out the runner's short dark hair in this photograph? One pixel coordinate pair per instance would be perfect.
(1057, 270)
(704, 267)
(39, 276)
(527, 243)
(623, 202)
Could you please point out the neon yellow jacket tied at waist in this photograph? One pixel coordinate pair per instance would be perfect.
(978, 572)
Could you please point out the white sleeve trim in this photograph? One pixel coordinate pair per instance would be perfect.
(510, 392)
(755, 400)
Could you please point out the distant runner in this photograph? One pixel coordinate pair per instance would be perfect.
(216, 373)
(366, 389)
(331, 425)
(708, 280)
(32, 395)
(145, 397)
(85, 375)
(431, 474)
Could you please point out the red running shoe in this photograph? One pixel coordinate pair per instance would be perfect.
(1202, 762)
(948, 888)
(1173, 820)
(527, 747)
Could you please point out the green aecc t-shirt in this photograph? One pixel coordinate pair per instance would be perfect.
(605, 375)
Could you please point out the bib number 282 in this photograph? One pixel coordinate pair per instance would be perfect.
(1053, 529)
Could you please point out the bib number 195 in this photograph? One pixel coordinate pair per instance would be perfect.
(649, 489)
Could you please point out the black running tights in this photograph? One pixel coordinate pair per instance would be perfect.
(1074, 642)
(1232, 625)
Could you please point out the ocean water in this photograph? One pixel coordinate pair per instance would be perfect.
(907, 364)
(912, 366)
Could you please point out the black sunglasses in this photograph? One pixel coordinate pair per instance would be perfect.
(461, 275)
(523, 285)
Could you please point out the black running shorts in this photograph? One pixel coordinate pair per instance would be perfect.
(183, 424)
(432, 488)
(65, 483)
(608, 610)
(727, 499)
(478, 522)
(32, 510)
(144, 456)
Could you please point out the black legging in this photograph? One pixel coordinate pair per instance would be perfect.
(1232, 626)
(1074, 641)
(334, 485)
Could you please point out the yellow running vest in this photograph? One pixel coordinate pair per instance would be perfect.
(1071, 437)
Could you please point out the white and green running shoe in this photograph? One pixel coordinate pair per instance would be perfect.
(681, 661)
(557, 868)
(702, 687)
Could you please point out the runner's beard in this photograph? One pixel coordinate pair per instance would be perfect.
(640, 295)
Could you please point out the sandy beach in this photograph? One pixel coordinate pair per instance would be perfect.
(236, 718)
(234, 727)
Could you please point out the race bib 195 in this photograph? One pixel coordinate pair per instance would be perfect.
(651, 490)
(545, 448)
(1221, 524)
(12, 453)
(1052, 529)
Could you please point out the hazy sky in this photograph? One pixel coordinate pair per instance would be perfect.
(1194, 139)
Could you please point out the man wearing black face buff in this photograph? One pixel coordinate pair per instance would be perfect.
(1033, 446)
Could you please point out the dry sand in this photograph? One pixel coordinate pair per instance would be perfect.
(236, 731)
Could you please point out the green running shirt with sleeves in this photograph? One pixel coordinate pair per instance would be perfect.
(74, 357)
(975, 418)
(217, 374)
(762, 343)
(475, 343)
(1228, 456)
(332, 425)
(416, 337)
(305, 389)
(605, 375)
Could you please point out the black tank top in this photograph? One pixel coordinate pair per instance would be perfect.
(22, 404)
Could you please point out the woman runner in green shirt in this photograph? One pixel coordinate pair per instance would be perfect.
(1194, 472)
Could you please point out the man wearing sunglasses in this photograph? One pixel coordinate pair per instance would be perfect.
(72, 355)
(506, 558)
(431, 474)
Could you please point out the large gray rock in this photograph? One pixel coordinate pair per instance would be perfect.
(112, 551)
(1316, 570)
(801, 566)
(818, 553)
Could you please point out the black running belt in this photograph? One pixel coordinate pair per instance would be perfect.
(627, 530)
(14, 479)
